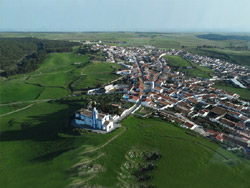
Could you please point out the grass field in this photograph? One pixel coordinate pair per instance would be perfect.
(13, 107)
(187, 161)
(96, 74)
(58, 70)
(237, 57)
(190, 68)
(39, 148)
(177, 61)
(16, 90)
(54, 78)
(53, 93)
(163, 40)
(50, 80)
(35, 153)
(244, 93)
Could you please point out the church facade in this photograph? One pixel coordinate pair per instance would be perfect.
(93, 119)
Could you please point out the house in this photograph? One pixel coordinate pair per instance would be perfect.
(158, 89)
(240, 125)
(188, 125)
(219, 137)
(85, 118)
(212, 133)
(134, 99)
(219, 111)
(146, 102)
(124, 72)
(203, 113)
(234, 114)
(236, 140)
(227, 123)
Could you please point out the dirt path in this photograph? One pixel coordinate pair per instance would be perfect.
(18, 110)
(77, 184)
(83, 70)
(106, 143)
(31, 101)
(88, 161)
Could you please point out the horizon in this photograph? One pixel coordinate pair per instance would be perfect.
(157, 32)
(125, 16)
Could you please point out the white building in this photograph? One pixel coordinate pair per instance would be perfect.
(124, 72)
(85, 117)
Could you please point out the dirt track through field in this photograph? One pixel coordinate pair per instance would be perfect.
(106, 143)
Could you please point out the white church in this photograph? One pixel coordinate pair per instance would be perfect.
(93, 119)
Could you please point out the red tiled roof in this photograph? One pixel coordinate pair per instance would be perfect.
(219, 137)
(241, 125)
(190, 125)
(212, 132)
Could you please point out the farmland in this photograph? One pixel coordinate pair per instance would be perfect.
(191, 69)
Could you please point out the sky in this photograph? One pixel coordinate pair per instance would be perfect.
(125, 15)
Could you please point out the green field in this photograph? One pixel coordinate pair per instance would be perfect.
(187, 161)
(58, 70)
(244, 93)
(163, 40)
(237, 57)
(96, 74)
(51, 80)
(35, 153)
(177, 61)
(190, 68)
(17, 90)
(56, 77)
(53, 93)
(10, 108)
(40, 148)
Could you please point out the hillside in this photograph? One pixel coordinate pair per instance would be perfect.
(23, 55)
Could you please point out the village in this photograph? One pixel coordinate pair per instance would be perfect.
(190, 102)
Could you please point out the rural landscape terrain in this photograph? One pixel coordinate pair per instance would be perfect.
(166, 140)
